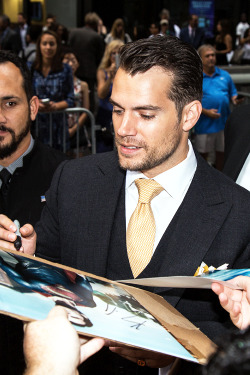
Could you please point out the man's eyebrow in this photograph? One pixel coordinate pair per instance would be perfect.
(8, 97)
(114, 103)
(140, 107)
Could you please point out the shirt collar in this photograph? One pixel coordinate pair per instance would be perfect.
(216, 72)
(174, 180)
(19, 162)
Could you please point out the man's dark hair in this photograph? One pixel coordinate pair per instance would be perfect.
(5, 19)
(8, 56)
(91, 19)
(173, 56)
(232, 356)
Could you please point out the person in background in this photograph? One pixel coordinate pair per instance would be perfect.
(117, 32)
(62, 33)
(102, 30)
(218, 91)
(242, 26)
(237, 146)
(193, 34)
(22, 29)
(29, 53)
(223, 42)
(50, 22)
(52, 345)
(81, 95)
(153, 29)
(53, 81)
(105, 76)
(165, 15)
(164, 28)
(9, 39)
(88, 45)
(245, 43)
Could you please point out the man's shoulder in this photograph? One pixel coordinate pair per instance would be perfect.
(47, 154)
(106, 161)
(222, 73)
(210, 179)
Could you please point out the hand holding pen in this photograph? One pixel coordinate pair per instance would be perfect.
(9, 233)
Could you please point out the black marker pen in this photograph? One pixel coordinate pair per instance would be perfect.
(18, 241)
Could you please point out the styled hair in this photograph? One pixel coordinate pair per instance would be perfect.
(91, 19)
(8, 56)
(205, 47)
(56, 62)
(106, 61)
(173, 56)
(113, 32)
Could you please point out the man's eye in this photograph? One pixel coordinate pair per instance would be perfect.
(147, 117)
(117, 111)
(10, 104)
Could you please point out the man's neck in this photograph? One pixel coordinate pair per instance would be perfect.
(19, 152)
(209, 72)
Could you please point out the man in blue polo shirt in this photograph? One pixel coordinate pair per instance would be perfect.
(218, 90)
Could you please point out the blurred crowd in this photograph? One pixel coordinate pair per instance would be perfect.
(76, 68)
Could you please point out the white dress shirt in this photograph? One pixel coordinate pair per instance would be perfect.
(175, 182)
(244, 176)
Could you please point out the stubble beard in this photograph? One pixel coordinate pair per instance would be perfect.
(8, 149)
(153, 156)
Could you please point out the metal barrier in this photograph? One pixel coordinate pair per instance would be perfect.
(66, 112)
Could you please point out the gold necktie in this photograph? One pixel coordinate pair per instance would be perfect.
(141, 227)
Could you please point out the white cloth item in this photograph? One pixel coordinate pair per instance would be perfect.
(175, 182)
(244, 176)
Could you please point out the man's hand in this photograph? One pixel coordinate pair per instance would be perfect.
(236, 302)
(212, 113)
(151, 359)
(52, 346)
(8, 236)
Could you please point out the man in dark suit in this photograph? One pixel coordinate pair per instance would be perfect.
(28, 166)
(9, 39)
(198, 216)
(89, 47)
(237, 146)
(193, 34)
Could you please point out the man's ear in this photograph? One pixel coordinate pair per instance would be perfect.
(191, 113)
(34, 105)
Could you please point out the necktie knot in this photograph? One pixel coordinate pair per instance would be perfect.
(148, 189)
(5, 176)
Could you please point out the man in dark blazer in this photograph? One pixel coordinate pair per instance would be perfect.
(200, 215)
(89, 47)
(193, 34)
(237, 141)
(9, 39)
(30, 166)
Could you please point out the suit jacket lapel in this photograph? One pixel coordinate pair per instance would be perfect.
(107, 183)
(202, 213)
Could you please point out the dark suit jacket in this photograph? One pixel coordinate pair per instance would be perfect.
(213, 226)
(30, 182)
(89, 47)
(11, 41)
(237, 141)
(198, 38)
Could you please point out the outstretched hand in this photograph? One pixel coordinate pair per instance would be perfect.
(236, 302)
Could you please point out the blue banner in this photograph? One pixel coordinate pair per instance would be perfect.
(204, 9)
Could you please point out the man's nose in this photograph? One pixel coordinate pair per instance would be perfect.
(127, 126)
